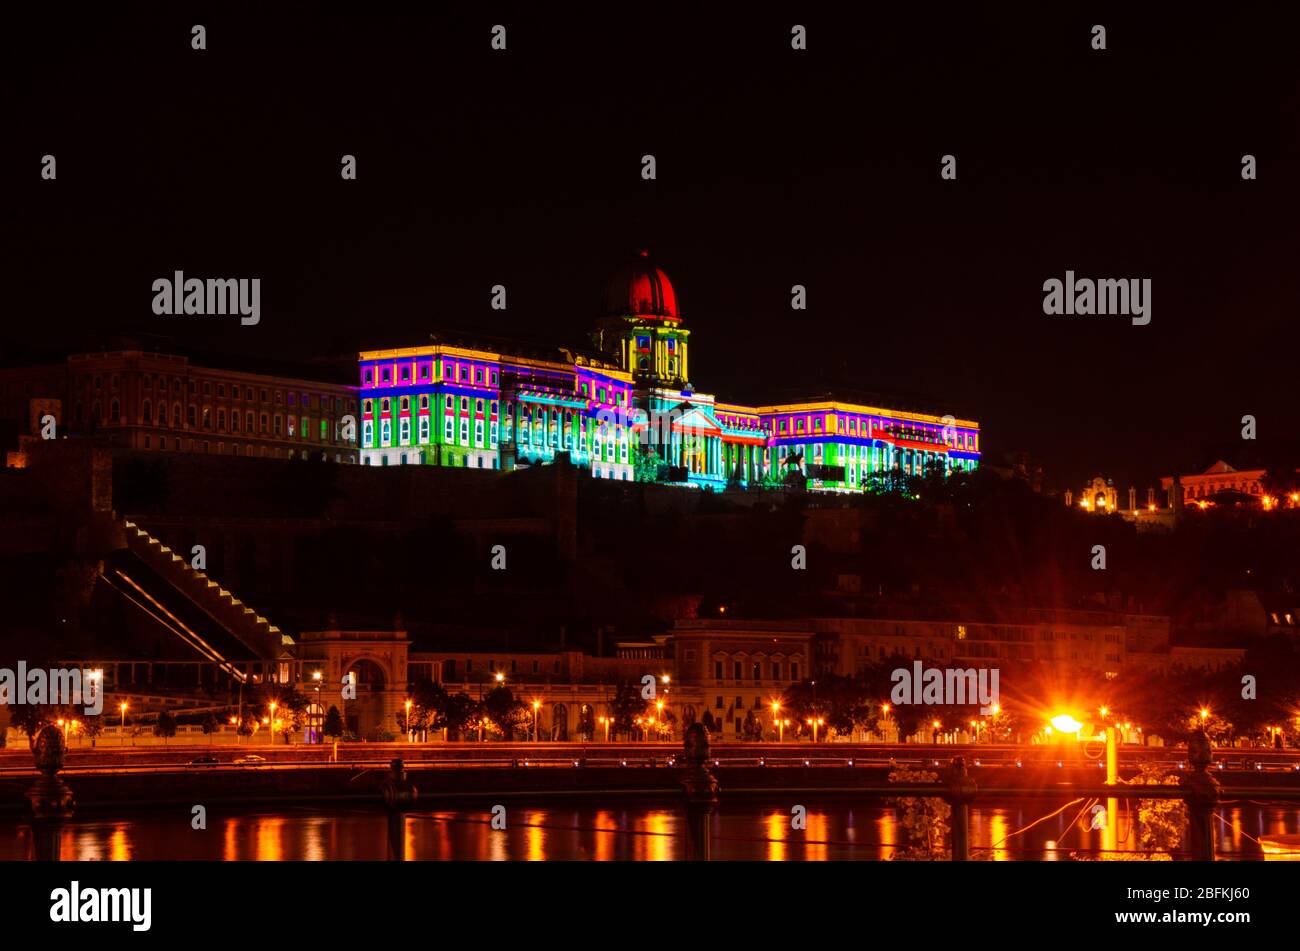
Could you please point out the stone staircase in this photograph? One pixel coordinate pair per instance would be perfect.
(252, 630)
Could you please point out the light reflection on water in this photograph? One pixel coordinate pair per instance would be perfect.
(633, 833)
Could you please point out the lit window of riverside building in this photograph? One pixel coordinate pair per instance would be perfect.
(626, 410)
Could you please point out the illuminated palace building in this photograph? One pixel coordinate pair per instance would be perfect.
(627, 410)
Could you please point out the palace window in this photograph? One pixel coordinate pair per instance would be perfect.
(367, 434)
(386, 432)
(464, 431)
(404, 430)
(448, 429)
(478, 433)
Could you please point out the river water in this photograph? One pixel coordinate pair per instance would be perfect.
(741, 831)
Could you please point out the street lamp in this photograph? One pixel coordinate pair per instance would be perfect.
(408, 721)
(271, 740)
(537, 706)
(815, 724)
(776, 708)
(122, 708)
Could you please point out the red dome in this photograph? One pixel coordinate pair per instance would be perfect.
(640, 289)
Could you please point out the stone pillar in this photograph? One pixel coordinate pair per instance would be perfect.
(1204, 797)
(400, 796)
(961, 791)
(52, 801)
(701, 792)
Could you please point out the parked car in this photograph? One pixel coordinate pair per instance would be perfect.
(206, 759)
(252, 759)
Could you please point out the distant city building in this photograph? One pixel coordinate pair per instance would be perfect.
(1217, 479)
(135, 399)
(1099, 495)
(492, 406)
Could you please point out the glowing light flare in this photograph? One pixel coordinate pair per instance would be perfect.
(1064, 723)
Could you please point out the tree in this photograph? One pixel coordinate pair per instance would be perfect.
(461, 709)
(283, 703)
(333, 722)
(210, 726)
(924, 819)
(1160, 821)
(93, 727)
(627, 706)
(29, 718)
(165, 727)
(505, 712)
(645, 467)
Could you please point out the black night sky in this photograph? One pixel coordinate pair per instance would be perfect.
(775, 168)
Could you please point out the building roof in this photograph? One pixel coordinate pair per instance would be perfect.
(640, 289)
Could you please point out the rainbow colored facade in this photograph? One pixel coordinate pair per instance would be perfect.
(627, 410)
